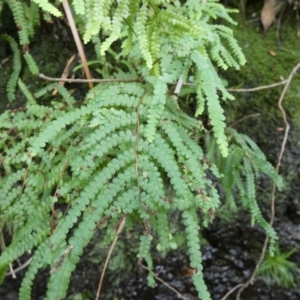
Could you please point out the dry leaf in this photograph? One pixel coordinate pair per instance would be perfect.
(271, 52)
(268, 14)
(188, 272)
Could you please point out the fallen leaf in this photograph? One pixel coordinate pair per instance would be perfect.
(188, 272)
(273, 53)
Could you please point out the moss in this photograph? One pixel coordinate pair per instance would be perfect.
(266, 63)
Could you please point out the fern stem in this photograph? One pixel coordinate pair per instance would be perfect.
(120, 229)
(164, 283)
(137, 143)
(77, 41)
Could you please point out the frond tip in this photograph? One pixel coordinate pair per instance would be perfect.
(48, 7)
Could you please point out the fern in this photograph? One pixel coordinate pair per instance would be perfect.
(31, 63)
(245, 160)
(143, 37)
(12, 82)
(128, 150)
(144, 252)
(45, 5)
(105, 181)
(193, 242)
(147, 36)
(20, 20)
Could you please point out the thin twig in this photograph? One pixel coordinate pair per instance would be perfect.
(243, 119)
(13, 272)
(65, 72)
(112, 80)
(259, 88)
(178, 87)
(164, 283)
(42, 76)
(77, 41)
(232, 290)
(136, 148)
(121, 226)
(283, 144)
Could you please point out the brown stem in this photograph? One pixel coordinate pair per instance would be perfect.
(77, 41)
(121, 226)
(259, 88)
(163, 282)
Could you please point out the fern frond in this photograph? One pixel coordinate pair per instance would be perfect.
(162, 229)
(215, 111)
(244, 158)
(26, 92)
(258, 158)
(156, 109)
(12, 82)
(144, 252)
(79, 6)
(193, 243)
(143, 37)
(20, 20)
(48, 7)
(31, 63)
(35, 265)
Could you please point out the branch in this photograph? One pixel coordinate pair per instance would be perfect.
(13, 272)
(178, 84)
(259, 88)
(42, 76)
(243, 119)
(77, 41)
(121, 226)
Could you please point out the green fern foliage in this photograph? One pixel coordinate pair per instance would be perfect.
(20, 20)
(127, 151)
(48, 7)
(193, 242)
(144, 29)
(86, 157)
(34, 69)
(239, 171)
(12, 82)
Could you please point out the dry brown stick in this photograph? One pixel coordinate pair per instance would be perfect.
(77, 41)
(259, 88)
(232, 290)
(121, 226)
(65, 72)
(283, 144)
(136, 148)
(243, 119)
(13, 272)
(164, 283)
(3, 247)
(95, 80)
